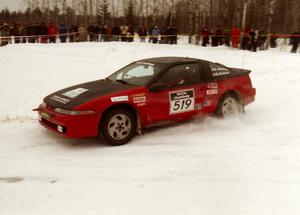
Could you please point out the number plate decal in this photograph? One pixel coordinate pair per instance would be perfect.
(182, 101)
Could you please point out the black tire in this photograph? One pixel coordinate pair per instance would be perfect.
(118, 126)
(229, 105)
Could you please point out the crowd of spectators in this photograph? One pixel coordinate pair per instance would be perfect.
(41, 33)
(249, 39)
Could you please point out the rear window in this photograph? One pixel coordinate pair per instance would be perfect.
(218, 70)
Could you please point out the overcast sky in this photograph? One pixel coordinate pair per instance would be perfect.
(12, 4)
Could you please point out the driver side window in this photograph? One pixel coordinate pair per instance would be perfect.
(180, 75)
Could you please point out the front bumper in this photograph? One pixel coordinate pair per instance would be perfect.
(72, 126)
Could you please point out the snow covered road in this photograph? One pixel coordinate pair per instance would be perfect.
(247, 165)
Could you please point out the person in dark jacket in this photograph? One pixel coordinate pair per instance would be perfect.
(217, 39)
(261, 39)
(4, 32)
(15, 31)
(295, 40)
(115, 32)
(63, 31)
(173, 32)
(143, 32)
(73, 33)
(43, 33)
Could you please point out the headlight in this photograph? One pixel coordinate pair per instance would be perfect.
(74, 112)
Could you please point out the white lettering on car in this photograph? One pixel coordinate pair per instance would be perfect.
(75, 92)
(212, 92)
(60, 99)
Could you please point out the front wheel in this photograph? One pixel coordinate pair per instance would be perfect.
(118, 126)
(229, 106)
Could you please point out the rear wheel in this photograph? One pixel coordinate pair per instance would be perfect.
(118, 126)
(229, 105)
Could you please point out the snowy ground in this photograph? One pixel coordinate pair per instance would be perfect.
(244, 166)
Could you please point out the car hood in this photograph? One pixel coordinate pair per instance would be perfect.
(71, 97)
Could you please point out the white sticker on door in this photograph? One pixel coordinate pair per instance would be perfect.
(182, 101)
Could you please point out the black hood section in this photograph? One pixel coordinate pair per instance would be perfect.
(71, 97)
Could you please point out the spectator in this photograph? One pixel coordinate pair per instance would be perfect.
(73, 33)
(205, 36)
(43, 33)
(164, 35)
(82, 33)
(218, 37)
(155, 34)
(143, 32)
(52, 33)
(31, 33)
(226, 38)
(253, 40)
(124, 31)
(23, 32)
(130, 34)
(261, 39)
(173, 33)
(295, 40)
(273, 41)
(107, 33)
(4, 32)
(91, 33)
(245, 40)
(63, 31)
(235, 37)
(96, 33)
(15, 31)
(150, 32)
(115, 32)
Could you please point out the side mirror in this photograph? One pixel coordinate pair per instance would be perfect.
(158, 86)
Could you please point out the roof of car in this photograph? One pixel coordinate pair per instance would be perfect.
(169, 60)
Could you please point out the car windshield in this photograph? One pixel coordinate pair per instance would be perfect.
(138, 73)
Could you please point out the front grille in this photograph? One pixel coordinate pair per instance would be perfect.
(49, 124)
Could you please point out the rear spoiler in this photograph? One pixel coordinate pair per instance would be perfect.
(238, 71)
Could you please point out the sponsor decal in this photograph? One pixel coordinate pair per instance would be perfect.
(140, 99)
(75, 92)
(212, 85)
(60, 99)
(182, 101)
(207, 103)
(220, 73)
(140, 104)
(198, 106)
(145, 63)
(138, 95)
(212, 92)
(119, 98)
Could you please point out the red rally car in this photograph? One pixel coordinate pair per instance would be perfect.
(146, 93)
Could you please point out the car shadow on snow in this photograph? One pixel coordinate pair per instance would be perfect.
(200, 124)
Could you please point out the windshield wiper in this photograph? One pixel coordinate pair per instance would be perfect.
(121, 81)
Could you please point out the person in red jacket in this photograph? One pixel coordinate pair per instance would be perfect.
(52, 33)
(205, 36)
(235, 37)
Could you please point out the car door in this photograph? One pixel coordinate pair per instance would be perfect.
(182, 97)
